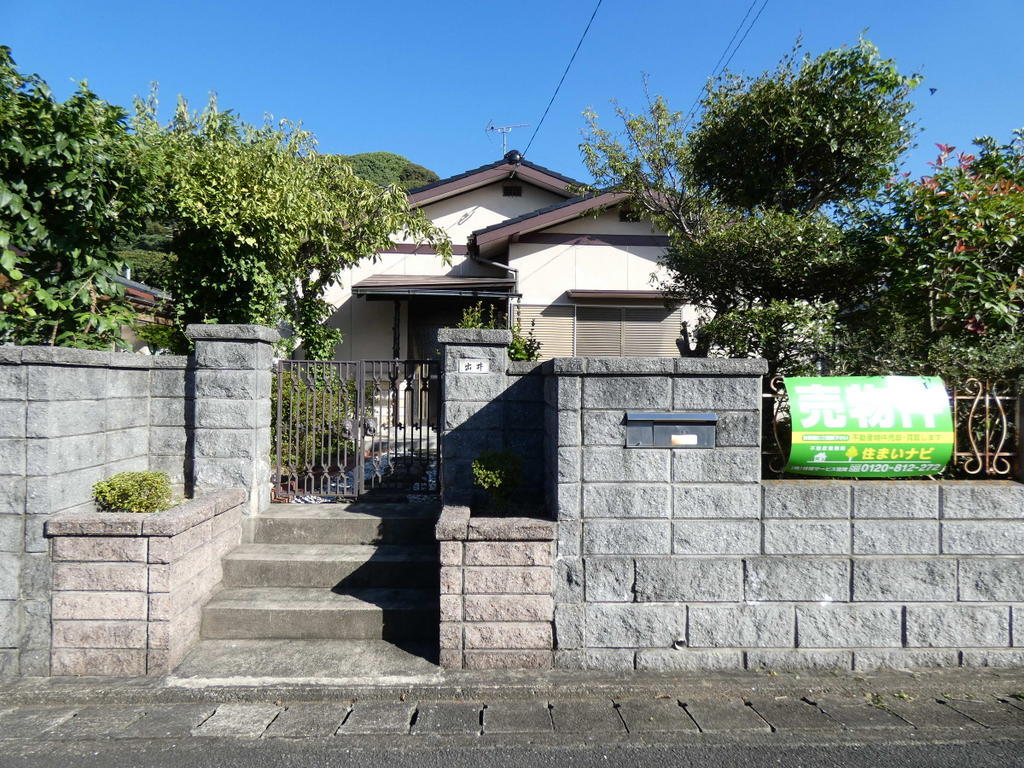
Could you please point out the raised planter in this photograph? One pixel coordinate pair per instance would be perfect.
(128, 589)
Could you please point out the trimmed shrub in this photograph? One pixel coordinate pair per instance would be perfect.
(498, 472)
(140, 492)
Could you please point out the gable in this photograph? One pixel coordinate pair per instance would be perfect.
(473, 209)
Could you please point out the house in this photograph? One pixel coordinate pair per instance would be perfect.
(580, 271)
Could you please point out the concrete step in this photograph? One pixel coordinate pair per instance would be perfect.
(358, 523)
(332, 565)
(319, 614)
(308, 662)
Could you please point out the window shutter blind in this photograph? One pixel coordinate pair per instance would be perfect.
(651, 332)
(553, 329)
(598, 331)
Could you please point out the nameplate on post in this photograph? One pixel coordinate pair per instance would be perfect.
(474, 365)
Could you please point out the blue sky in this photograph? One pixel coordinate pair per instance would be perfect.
(424, 78)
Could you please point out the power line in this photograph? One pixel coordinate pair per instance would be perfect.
(562, 79)
(759, 12)
(715, 70)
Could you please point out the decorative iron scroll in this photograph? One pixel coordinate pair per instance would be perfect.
(985, 413)
(985, 416)
(775, 427)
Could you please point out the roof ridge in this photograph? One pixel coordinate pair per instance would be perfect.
(496, 164)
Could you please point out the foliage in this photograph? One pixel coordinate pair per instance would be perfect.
(387, 168)
(952, 288)
(523, 347)
(760, 198)
(148, 254)
(498, 472)
(138, 492)
(262, 224)
(163, 338)
(70, 186)
(815, 131)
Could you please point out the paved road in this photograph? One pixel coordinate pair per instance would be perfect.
(760, 729)
(225, 753)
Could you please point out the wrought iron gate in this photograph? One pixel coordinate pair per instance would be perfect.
(343, 429)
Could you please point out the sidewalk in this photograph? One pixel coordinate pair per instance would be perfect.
(466, 708)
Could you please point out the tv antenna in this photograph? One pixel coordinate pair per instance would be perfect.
(504, 130)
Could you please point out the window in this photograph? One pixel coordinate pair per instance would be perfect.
(552, 326)
(566, 330)
(512, 190)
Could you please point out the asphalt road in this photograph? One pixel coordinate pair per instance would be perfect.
(223, 753)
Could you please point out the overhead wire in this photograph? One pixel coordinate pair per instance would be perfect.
(715, 71)
(562, 78)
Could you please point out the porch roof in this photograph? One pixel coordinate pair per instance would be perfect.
(399, 286)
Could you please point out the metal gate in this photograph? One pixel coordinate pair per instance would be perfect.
(344, 429)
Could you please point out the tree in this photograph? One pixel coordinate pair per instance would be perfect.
(262, 224)
(951, 295)
(758, 197)
(70, 186)
(149, 254)
(387, 168)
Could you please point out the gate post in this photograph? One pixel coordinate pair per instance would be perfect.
(231, 424)
(472, 420)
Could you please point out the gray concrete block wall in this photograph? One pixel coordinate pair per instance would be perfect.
(793, 574)
(500, 410)
(674, 559)
(68, 419)
(643, 531)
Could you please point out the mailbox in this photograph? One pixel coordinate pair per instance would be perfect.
(670, 430)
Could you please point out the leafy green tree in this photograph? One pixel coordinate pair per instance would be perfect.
(148, 254)
(262, 224)
(758, 197)
(387, 168)
(951, 295)
(71, 184)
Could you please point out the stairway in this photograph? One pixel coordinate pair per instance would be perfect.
(332, 572)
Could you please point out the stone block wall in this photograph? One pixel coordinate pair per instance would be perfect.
(497, 608)
(128, 590)
(502, 409)
(683, 559)
(70, 417)
(232, 409)
(642, 532)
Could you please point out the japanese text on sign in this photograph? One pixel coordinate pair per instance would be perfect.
(869, 426)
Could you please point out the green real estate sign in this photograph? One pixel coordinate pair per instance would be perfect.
(869, 426)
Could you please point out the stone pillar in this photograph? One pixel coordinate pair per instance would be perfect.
(475, 377)
(496, 581)
(231, 446)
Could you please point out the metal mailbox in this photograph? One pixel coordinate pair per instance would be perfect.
(671, 430)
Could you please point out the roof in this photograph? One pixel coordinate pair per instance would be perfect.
(546, 217)
(433, 285)
(140, 293)
(512, 165)
(591, 294)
